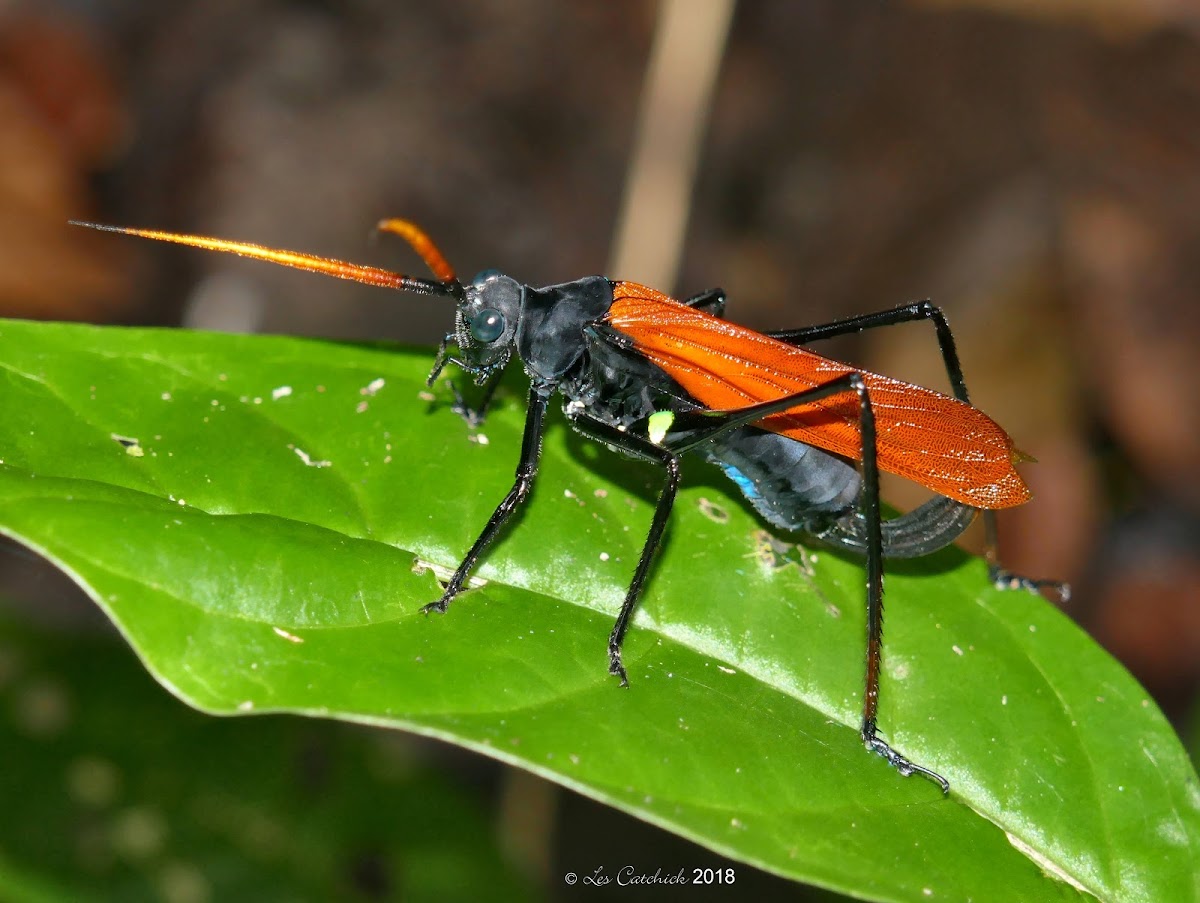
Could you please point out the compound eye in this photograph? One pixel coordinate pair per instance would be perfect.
(487, 325)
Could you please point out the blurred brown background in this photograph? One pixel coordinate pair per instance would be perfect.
(1031, 165)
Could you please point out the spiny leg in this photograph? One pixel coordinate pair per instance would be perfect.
(531, 446)
(873, 516)
(645, 450)
(691, 428)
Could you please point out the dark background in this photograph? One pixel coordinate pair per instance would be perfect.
(1032, 166)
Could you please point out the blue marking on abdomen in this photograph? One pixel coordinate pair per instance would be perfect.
(744, 483)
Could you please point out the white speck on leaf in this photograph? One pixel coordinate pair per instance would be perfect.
(372, 387)
(290, 637)
(281, 392)
(307, 459)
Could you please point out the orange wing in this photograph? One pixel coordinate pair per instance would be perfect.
(925, 436)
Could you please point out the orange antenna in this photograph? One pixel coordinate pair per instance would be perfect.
(357, 272)
(422, 244)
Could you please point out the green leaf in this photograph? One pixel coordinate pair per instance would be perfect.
(112, 791)
(257, 547)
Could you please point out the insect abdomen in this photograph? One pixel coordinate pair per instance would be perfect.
(792, 485)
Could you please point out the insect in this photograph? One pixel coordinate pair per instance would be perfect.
(656, 378)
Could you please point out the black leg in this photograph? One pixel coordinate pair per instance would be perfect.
(711, 301)
(691, 428)
(635, 445)
(688, 430)
(474, 416)
(1002, 578)
(872, 515)
(905, 313)
(490, 380)
(531, 448)
(927, 310)
(441, 358)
